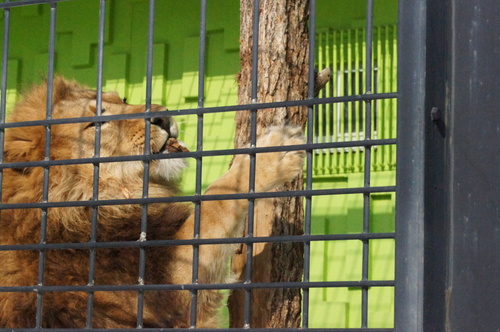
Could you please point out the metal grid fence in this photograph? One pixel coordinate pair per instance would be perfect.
(308, 193)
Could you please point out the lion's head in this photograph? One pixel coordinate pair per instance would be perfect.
(76, 140)
(117, 180)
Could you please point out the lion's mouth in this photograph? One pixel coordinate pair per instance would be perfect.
(173, 145)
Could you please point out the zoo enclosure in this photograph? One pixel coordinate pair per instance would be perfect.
(357, 150)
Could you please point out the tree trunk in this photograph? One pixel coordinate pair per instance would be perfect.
(282, 75)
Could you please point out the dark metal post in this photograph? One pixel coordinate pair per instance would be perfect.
(473, 167)
(420, 213)
(448, 193)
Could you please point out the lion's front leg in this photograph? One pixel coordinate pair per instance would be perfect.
(225, 218)
(275, 168)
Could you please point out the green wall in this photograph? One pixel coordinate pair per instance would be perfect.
(175, 77)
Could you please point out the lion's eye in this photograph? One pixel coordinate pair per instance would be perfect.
(92, 124)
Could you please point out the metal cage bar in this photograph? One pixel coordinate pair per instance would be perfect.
(366, 143)
(410, 160)
(188, 287)
(309, 163)
(367, 164)
(247, 313)
(3, 92)
(7, 4)
(205, 110)
(227, 330)
(46, 170)
(97, 153)
(193, 155)
(153, 243)
(146, 163)
(295, 193)
(199, 160)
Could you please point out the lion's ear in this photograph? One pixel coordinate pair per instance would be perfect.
(24, 144)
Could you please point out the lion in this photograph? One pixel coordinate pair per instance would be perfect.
(117, 265)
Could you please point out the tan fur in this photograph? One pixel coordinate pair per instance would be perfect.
(117, 266)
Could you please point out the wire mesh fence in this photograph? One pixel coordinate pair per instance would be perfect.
(356, 115)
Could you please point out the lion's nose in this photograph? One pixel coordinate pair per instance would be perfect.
(168, 124)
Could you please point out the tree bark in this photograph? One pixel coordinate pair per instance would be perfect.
(282, 75)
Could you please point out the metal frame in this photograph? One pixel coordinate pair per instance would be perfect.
(448, 193)
(366, 190)
(411, 171)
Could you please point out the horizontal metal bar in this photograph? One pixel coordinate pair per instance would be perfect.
(20, 3)
(198, 154)
(187, 287)
(200, 198)
(246, 107)
(191, 329)
(198, 241)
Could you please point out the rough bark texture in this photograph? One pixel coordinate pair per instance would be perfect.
(283, 72)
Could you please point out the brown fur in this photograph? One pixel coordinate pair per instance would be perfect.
(118, 266)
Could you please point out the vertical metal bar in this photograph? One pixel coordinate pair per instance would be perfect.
(97, 153)
(3, 101)
(309, 163)
(146, 163)
(199, 164)
(247, 316)
(46, 169)
(367, 166)
(427, 151)
(409, 283)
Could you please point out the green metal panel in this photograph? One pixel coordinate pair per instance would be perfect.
(175, 75)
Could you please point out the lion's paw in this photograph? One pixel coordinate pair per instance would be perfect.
(275, 168)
